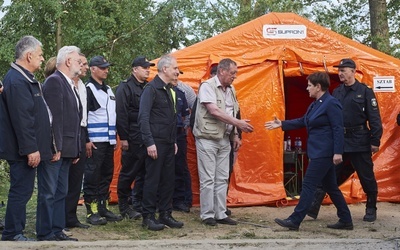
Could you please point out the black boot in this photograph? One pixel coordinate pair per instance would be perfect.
(167, 219)
(370, 211)
(104, 212)
(150, 222)
(126, 210)
(319, 196)
(93, 216)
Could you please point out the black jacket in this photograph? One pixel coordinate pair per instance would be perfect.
(157, 113)
(25, 124)
(128, 101)
(360, 108)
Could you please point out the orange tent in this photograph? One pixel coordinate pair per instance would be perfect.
(275, 53)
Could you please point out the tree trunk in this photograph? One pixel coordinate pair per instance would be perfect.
(379, 25)
(58, 34)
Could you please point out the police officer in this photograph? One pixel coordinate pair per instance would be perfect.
(133, 150)
(360, 108)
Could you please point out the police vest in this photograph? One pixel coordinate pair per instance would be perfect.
(101, 123)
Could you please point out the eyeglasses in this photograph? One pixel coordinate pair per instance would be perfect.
(77, 60)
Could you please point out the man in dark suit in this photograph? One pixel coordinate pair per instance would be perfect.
(66, 108)
(24, 131)
(324, 123)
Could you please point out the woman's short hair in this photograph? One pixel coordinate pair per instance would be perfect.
(320, 77)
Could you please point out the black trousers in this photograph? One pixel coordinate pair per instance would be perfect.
(363, 165)
(99, 172)
(159, 179)
(183, 181)
(75, 178)
(133, 164)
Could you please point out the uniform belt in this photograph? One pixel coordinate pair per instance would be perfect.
(348, 130)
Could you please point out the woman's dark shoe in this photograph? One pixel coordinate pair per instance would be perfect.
(287, 223)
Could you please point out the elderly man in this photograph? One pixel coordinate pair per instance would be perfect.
(214, 127)
(25, 132)
(66, 109)
(157, 123)
(101, 140)
(133, 151)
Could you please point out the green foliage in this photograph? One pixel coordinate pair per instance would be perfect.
(351, 19)
(123, 29)
(4, 171)
(119, 30)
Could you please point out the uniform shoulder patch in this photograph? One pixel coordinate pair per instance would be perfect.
(373, 102)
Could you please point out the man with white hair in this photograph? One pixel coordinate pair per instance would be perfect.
(66, 108)
(157, 123)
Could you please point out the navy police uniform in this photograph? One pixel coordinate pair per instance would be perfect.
(362, 128)
(128, 100)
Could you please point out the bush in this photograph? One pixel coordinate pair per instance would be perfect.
(4, 171)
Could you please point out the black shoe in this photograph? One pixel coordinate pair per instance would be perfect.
(227, 221)
(18, 237)
(63, 237)
(228, 212)
(370, 214)
(341, 225)
(287, 223)
(78, 225)
(168, 220)
(181, 207)
(52, 238)
(210, 222)
(131, 214)
(96, 219)
(110, 216)
(150, 223)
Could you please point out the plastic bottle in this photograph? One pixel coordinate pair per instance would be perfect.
(298, 145)
(289, 144)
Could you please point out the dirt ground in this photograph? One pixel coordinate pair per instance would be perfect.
(256, 230)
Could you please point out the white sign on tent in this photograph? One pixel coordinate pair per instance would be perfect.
(384, 84)
(284, 31)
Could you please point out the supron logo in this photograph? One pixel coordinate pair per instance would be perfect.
(271, 31)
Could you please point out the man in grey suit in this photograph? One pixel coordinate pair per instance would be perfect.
(64, 103)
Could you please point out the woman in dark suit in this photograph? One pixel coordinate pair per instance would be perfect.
(324, 123)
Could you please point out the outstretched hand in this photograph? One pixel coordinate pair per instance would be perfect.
(245, 126)
(276, 123)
